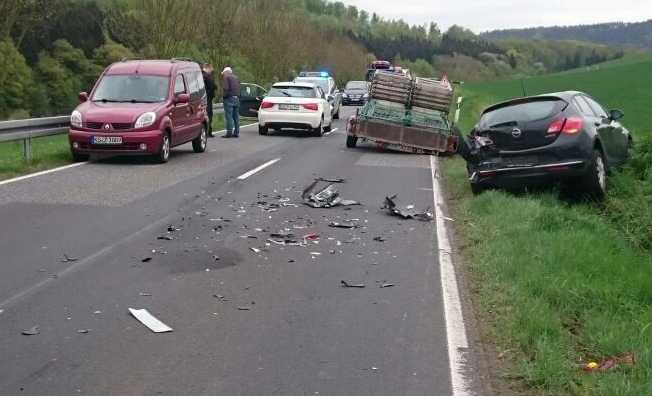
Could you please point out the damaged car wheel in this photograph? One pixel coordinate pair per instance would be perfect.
(595, 182)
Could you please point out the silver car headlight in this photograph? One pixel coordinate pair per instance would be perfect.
(76, 119)
(145, 120)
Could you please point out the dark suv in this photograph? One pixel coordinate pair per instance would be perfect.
(142, 107)
(565, 136)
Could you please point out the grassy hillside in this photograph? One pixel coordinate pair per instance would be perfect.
(625, 84)
(559, 284)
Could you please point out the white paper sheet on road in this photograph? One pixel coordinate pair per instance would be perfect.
(150, 321)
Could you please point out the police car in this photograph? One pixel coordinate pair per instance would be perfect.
(327, 83)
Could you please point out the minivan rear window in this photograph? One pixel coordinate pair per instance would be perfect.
(522, 112)
(132, 88)
(292, 91)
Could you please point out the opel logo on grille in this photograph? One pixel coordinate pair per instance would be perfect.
(516, 133)
(107, 126)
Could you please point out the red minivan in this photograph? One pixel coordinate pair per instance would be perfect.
(141, 107)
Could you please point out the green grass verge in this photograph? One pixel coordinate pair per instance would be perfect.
(52, 151)
(558, 285)
(48, 152)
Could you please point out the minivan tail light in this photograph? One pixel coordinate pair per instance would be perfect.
(570, 126)
(311, 106)
(266, 105)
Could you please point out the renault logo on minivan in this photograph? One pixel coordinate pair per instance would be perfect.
(516, 133)
(107, 126)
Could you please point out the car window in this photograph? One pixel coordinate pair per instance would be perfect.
(193, 86)
(260, 92)
(522, 112)
(132, 88)
(356, 85)
(289, 91)
(179, 85)
(583, 106)
(323, 83)
(597, 108)
(200, 84)
(321, 93)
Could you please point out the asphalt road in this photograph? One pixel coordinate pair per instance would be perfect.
(270, 322)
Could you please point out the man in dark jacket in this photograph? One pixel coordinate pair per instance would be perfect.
(209, 83)
(231, 96)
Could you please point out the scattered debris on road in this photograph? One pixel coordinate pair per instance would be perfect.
(624, 359)
(255, 250)
(84, 331)
(146, 260)
(165, 238)
(331, 180)
(31, 331)
(68, 259)
(150, 321)
(385, 285)
(379, 239)
(407, 212)
(143, 294)
(243, 308)
(348, 284)
(327, 197)
(349, 225)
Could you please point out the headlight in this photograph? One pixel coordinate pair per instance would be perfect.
(76, 119)
(145, 120)
(366, 96)
(345, 95)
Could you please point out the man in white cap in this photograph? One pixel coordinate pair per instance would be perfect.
(231, 89)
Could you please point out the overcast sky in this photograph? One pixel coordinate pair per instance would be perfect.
(483, 15)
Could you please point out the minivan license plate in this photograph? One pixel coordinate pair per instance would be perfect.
(107, 139)
(288, 107)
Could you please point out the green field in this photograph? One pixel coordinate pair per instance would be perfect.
(625, 84)
(557, 284)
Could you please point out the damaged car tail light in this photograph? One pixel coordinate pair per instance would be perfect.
(266, 105)
(311, 106)
(571, 125)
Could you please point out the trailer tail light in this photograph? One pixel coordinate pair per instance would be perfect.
(570, 126)
(311, 106)
(266, 105)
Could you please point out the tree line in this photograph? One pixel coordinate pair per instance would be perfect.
(52, 49)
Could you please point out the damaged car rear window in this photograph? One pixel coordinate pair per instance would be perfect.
(522, 112)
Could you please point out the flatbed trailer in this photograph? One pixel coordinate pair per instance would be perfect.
(405, 114)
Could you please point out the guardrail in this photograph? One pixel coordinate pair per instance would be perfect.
(26, 130)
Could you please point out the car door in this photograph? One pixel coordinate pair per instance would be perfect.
(619, 135)
(251, 96)
(602, 126)
(196, 105)
(180, 112)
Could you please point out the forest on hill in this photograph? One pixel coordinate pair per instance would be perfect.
(52, 49)
(635, 35)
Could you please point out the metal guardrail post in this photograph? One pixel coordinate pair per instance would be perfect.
(27, 149)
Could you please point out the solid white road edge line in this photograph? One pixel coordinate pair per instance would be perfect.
(458, 345)
(45, 172)
(252, 172)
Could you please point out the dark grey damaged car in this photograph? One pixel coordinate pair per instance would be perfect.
(564, 137)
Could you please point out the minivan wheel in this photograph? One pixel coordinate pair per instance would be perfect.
(199, 144)
(164, 153)
(595, 181)
(263, 130)
(328, 127)
(351, 141)
(77, 157)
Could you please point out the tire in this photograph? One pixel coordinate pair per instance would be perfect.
(77, 157)
(319, 131)
(594, 182)
(263, 130)
(336, 116)
(163, 155)
(329, 127)
(199, 144)
(477, 189)
(351, 141)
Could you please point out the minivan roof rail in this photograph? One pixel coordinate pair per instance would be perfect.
(126, 59)
(182, 60)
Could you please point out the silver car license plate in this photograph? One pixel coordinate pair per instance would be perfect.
(293, 107)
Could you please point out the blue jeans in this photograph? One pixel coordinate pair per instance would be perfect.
(232, 115)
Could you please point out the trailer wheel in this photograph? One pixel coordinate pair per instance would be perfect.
(351, 141)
